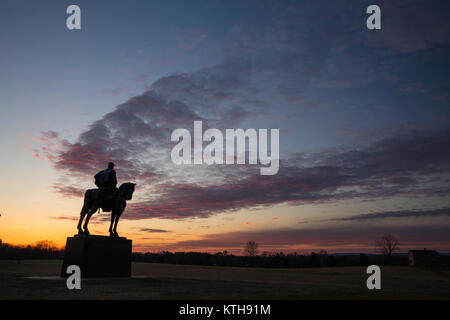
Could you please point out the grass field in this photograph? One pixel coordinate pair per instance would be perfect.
(166, 281)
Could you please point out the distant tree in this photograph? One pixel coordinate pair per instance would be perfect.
(387, 244)
(222, 253)
(46, 245)
(323, 256)
(251, 248)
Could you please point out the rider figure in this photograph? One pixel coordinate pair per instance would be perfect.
(106, 181)
(111, 181)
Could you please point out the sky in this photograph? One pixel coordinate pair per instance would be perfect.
(363, 119)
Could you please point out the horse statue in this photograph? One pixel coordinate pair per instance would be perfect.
(93, 201)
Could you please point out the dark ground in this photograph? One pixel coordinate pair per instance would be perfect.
(168, 281)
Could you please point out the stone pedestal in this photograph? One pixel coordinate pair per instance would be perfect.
(98, 256)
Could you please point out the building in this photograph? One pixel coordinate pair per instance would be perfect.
(422, 257)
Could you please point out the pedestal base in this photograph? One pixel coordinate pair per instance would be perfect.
(98, 256)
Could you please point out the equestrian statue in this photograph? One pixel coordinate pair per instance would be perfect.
(107, 197)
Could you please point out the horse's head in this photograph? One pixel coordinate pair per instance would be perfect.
(127, 189)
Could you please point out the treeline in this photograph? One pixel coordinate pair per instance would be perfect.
(41, 250)
(48, 250)
(270, 260)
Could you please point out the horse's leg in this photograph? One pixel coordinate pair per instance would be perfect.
(89, 214)
(82, 213)
(116, 220)
(80, 221)
(112, 222)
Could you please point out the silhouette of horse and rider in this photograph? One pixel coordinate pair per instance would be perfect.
(107, 197)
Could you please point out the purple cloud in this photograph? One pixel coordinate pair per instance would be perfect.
(272, 72)
(442, 212)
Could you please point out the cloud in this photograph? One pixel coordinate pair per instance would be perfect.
(69, 191)
(442, 212)
(64, 218)
(400, 165)
(270, 68)
(412, 25)
(411, 164)
(101, 220)
(148, 230)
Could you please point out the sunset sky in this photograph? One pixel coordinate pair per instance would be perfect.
(364, 120)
